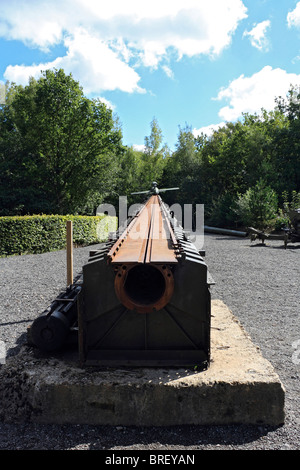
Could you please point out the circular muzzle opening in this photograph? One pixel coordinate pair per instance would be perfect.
(144, 287)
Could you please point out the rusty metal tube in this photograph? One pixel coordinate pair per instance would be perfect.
(144, 287)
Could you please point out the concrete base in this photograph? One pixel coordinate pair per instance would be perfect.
(240, 386)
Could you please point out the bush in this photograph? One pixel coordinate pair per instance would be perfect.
(282, 221)
(290, 203)
(258, 207)
(43, 233)
(222, 212)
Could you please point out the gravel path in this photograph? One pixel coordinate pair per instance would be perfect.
(260, 284)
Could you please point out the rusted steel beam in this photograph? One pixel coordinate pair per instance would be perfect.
(149, 238)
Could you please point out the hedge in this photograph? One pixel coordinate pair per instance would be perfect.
(43, 233)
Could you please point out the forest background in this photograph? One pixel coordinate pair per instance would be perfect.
(62, 153)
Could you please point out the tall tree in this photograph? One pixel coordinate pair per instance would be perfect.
(153, 159)
(64, 150)
(286, 143)
(182, 169)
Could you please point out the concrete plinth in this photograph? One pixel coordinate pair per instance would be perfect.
(240, 386)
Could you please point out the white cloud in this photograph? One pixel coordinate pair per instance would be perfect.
(107, 41)
(251, 94)
(168, 71)
(139, 147)
(97, 66)
(90, 60)
(37, 25)
(293, 18)
(193, 28)
(257, 35)
(107, 103)
(208, 130)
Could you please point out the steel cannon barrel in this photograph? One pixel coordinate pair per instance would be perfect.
(145, 297)
(143, 258)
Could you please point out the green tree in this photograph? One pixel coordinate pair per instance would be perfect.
(64, 147)
(286, 142)
(182, 169)
(130, 172)
(153, 159)
(234, 158)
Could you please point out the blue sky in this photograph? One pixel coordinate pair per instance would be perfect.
(193, 62)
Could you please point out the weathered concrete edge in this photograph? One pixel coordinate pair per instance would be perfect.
(240, 387)
(158, 405)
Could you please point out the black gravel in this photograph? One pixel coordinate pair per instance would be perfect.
(260, 284)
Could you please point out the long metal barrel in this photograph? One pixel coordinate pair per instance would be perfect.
(143, 257)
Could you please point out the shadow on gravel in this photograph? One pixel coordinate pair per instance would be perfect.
(15, 322)
(87, 437)
(220, 238)
(178, 437)
(267, 244)
(275, 247)
(22, 339)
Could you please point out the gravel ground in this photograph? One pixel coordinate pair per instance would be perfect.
(260, 284)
